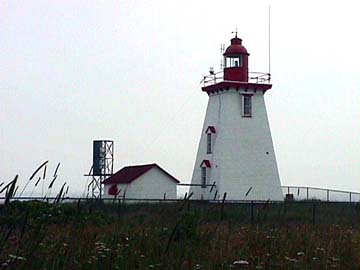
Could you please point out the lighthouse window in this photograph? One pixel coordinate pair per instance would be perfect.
(203, 177)
(247, 110)
(208, 144)
(233, 61)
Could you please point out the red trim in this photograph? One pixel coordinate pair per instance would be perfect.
(226, 85)
(206, 162)
(211, 129)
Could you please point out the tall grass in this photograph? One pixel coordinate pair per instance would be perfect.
(183, 235)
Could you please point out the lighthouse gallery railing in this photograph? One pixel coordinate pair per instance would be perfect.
(216, 77)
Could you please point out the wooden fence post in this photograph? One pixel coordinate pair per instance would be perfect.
(222, 207)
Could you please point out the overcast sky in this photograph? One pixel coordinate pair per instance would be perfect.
(75, 71)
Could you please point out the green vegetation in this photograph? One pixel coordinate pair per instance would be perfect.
(183, 235)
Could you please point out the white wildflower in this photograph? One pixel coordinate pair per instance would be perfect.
(240, 262)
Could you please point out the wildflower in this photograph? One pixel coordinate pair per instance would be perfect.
(291, 259)
(240, 262)
(17, 257)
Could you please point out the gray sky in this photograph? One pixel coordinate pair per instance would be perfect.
(75, 71)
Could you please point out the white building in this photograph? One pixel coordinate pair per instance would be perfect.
(147, 181)
(236, 153)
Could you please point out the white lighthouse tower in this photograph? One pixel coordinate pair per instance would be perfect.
(236, 153)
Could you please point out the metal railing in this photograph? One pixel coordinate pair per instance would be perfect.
(216, 77)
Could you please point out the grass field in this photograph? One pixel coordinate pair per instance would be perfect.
(183, 235)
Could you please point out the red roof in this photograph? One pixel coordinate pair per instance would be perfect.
(129, 174)
(235, 48)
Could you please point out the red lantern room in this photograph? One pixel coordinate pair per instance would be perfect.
(236, 73)
(236, 62)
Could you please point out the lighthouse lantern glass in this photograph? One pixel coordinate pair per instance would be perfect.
(233, 61)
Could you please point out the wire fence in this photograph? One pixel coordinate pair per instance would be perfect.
(254, 212)
(321, 194)
(291, 193)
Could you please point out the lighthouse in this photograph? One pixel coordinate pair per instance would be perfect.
(236, 153)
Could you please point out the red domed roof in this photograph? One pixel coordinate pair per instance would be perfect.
(235, 48)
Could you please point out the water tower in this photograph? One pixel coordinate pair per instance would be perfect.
(103, 163)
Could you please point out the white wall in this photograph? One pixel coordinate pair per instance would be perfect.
(239, 159)
(151, 185)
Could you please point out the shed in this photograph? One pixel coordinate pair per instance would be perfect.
(148, 181)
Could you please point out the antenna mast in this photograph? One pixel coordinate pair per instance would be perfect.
(269, 45)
